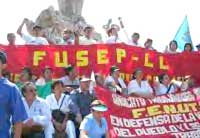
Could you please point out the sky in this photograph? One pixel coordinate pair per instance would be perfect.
(155, 19)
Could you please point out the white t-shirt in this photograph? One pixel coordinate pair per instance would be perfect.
(39, 111)
(65, 107)
(112, 40)
(67, 81)
(145, 88)
(110, 80)
(85, 41)
(134, 44)
(31, 40)
(68, 42)
(162, 89)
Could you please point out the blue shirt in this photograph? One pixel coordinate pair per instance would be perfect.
(11, 105)
(93, 129)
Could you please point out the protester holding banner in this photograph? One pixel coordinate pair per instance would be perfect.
(61, 105)
(172, 47)
(135, 39)
(164, 86)
(148, 44)
(11, 39)
(188, 47)
(87, 39)
(39, 114)
(113, 36)
(94, 125)
(67, 38)
(11, 105)
(36, 39)
(138, 86)
(114, 82)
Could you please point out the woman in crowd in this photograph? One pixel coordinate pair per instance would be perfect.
(59, 101)
(188, 47)
(114, 82)
(148, 44)
(138, 86)
(94, 125)
(164, 86)
(172, 47)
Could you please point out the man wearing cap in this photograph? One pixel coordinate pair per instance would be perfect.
(11, 105)
(39, 114)
(87, 39)
(89, 127)
(114, 82)
(36, 39)
(83, 97)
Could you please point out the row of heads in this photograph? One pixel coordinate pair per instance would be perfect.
(96, 105)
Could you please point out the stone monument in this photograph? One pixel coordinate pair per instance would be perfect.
(55, 21)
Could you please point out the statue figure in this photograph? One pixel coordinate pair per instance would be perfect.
(70, 8)
(54, 22)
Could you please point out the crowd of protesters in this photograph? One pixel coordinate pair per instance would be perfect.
(68, 106)
(69, 37)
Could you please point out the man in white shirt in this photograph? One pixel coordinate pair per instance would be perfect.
(87, 39)
(36, 38)
(39, 114)
(135, 39)
(67, 38)
(113, 36)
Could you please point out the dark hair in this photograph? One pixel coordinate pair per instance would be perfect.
(3, 57)
(46, 68)
(135, 72)
(28, 71)
(87, 28)
(53, 85)
(173, 41)
(148, 40)
(26, 84)
(10, 34)
(110, 31)
(136, 34)
(161, 77)
(68, 69)
(188, 44)
(6, 74)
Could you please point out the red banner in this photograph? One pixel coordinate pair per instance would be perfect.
(99, 58)
(169, 116)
